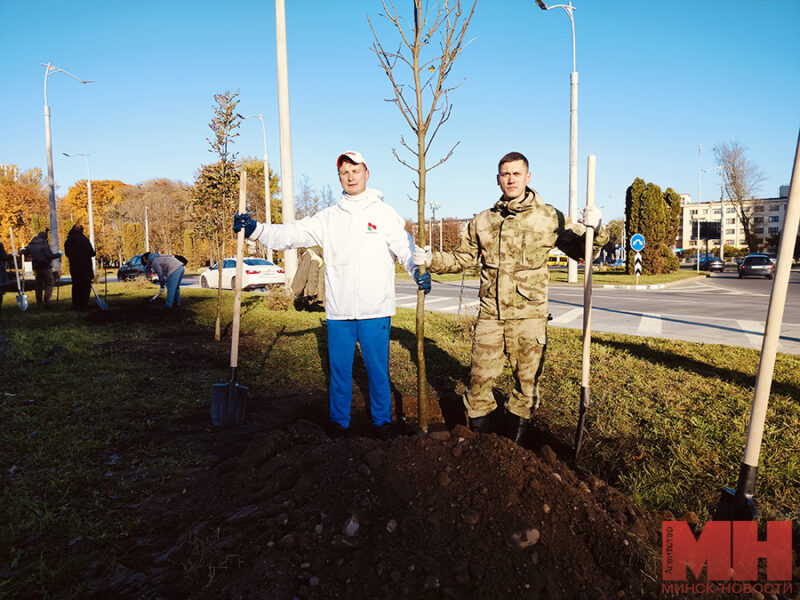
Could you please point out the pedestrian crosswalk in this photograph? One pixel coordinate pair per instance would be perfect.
(745, 333)
(443, 305)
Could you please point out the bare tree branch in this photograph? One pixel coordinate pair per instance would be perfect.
(430, 105)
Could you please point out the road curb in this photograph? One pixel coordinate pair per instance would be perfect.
(653, 286)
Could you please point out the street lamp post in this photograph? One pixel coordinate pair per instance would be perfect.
(721, 208)
(50, 178)
(572, 265)
(267, 202)
(146, 231)
(434, 207)
(89, 202)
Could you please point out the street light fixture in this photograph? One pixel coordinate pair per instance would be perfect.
(722, 208)
(50, 179)
(572, 265)
(89, 203)
(267, 202)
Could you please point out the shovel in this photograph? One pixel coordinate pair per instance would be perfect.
(229, 400)
(587, 312)
(22, 299)
(101, 304)
(737, 504)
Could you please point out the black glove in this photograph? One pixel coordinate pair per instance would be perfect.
(423, 281)
(246, 221)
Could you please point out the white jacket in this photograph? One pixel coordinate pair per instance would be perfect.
(360, 239)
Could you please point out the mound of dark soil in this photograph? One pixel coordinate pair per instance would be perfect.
(448, 515)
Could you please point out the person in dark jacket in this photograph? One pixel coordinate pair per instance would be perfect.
(170, 272)
(41, 257)
(79, 251)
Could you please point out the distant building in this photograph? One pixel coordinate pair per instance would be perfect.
(767, 214)
(12, 169)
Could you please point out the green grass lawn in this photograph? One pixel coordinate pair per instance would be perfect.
(96, 417)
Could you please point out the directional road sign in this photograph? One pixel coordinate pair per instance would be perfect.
(637, 264)
(637, 242)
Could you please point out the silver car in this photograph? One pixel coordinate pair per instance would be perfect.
(756, 265)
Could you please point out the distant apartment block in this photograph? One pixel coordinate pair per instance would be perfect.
(767, 214)
(12, 169)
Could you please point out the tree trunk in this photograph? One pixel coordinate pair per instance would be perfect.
(422, 379)
(220, 253)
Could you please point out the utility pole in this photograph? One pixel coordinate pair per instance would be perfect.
(287, 181)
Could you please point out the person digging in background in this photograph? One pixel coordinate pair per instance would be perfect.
(78, 249)
(360, 237)
(512, 241)
(42, 257)
(170, 272)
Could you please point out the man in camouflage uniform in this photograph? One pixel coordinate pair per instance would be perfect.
(512, 241)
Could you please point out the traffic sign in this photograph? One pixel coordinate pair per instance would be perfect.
(637, 242)
(637, 264)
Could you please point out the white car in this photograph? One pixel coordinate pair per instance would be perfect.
(256, 273)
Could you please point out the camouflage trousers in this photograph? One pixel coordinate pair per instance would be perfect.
(522, 341)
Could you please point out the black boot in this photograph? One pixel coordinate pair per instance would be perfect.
(514, 427)
(481, 424)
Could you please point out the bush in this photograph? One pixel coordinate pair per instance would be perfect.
(278, 298)
(670, 261)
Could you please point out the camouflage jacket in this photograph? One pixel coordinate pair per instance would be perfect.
(512, 240)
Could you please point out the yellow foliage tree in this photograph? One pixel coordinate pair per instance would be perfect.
(23, 205)
(106, 196)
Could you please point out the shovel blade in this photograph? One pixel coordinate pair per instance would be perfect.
(228, 404)
(22, 302)
(101, 304)
(733, 508)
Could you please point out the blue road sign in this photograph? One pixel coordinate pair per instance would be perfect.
(637, 242)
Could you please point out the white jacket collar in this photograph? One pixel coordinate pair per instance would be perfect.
(360, 201)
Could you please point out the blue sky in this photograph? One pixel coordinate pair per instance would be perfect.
(656, 80)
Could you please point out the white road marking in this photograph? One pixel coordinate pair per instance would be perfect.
(748, 327)
(571, 315)
(650, 325)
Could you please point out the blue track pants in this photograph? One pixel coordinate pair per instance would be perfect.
(373, 337)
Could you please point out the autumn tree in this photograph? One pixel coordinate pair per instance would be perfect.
(23, 204)
(741, 180)
(215, 190)
(106, 198)
(418, 71)
(167, 203)
(452, 230)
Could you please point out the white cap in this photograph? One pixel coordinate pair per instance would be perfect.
(352, 155)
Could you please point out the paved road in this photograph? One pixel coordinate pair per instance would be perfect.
(721, 309)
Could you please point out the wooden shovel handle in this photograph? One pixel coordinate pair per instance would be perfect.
(237, 293)
(587, 277)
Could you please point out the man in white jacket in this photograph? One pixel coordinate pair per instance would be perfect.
(361, 237)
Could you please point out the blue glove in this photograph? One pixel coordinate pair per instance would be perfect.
(246, 221)
(423, 281)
